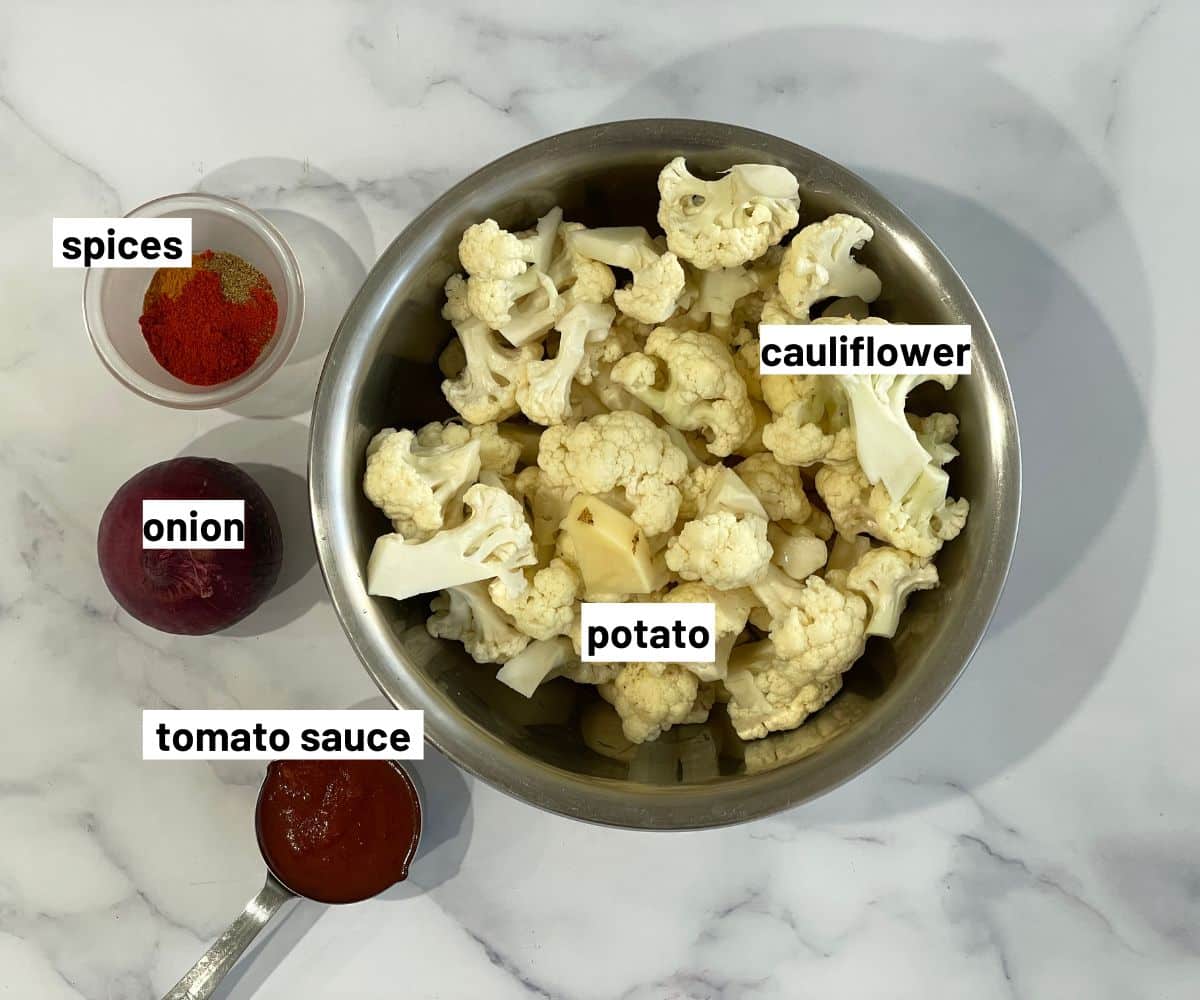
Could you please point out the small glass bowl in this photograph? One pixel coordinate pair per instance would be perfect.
(112, 301)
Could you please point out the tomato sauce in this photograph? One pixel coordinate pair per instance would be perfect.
(338, 831)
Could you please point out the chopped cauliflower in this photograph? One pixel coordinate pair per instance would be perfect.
(548, 605)
(732, 610)
(797, 551)
(920, 523)
(888, 448)
(726, 545)
(658, 278)
(721, 549)
(778, 487)
(467, 613)
(579, 278)
(703, 390)
(718, 292)
(730, 221)
(538, 662)
(504, 269)
(818, 264)
(768, 694)
(487, 251)
(617, 451)
(886, 577)
(413, 485)
(497, 453)
(650, 698)
(812, 420)
(486, 389)
(694, 489)
(493, 541)
(544, 392)
(825, 624)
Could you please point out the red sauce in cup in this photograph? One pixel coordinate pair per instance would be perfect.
(338, 831)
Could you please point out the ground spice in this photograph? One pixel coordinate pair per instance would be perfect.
(208, 323)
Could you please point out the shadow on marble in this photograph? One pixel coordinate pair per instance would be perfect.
(328, 231)
(923, 121)
(275, 453)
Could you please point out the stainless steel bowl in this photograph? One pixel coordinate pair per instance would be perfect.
(382, 371)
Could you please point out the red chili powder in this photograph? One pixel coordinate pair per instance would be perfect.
(195, 331)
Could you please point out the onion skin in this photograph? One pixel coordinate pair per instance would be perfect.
(189, 591)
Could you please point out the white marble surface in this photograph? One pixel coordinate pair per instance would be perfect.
(1038, 837)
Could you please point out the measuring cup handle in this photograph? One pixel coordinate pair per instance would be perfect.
(204, 977)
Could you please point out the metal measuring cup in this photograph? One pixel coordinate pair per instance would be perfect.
(205, 976)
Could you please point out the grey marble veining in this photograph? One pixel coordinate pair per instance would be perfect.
(1036, 838)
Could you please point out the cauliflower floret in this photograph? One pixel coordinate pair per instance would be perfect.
(655, 289)
(494, 541)
(486, 389)
(545, 659)
(768, 694)
(797, 551)
(721, 549)
(494, 300)
(775, 313)
(538, 662)
(579, 278)
(506, 270)
(778, 487)
(820, 524)
(732, 610)
(775, 593)
(617, 451)
(414, 485)
(888, 448)
(596, 392)
(765, 270)
(726, 545)
(599, 356)
(658, 278)
(544, 392)
(496, 453)
(744, 345)
(703, 390)
(919, 523)
(650, 698)
(818, 264)
(487, 251)
(694, 489)
(753, 445)
(936, 432)
(717, 295)
(730, 221)
(466, 613)
(824, 626)
(457, 309)
(812, 420)
(886, 576)
(548, 605)
(547, 503)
